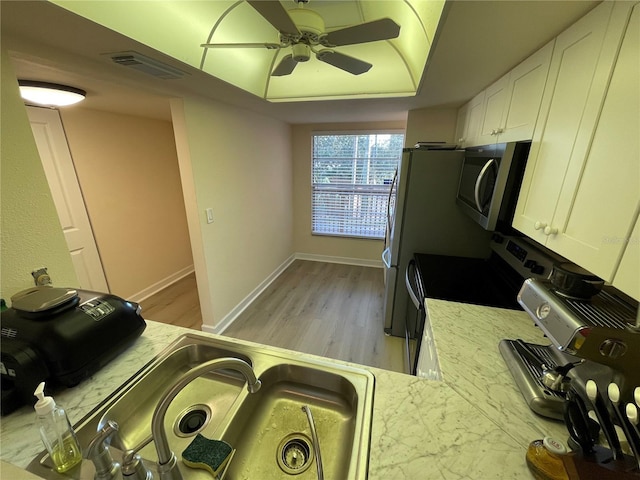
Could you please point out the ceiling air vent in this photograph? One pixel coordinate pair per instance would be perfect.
(146, 65)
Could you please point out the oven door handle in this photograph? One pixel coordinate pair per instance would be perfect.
(412, 294)
(479, 180)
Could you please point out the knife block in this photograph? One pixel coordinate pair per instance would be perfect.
(600, 466)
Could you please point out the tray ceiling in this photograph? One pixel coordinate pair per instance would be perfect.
(178, 28)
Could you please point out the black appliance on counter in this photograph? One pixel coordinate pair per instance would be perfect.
(494, 281)
(61, 336)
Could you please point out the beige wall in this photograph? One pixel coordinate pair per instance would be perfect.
(431, 125)
(239, 164)
(364, 250)
(128, 169)
(31, 235)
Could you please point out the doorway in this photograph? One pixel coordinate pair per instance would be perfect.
(67, 197)
(127, 173)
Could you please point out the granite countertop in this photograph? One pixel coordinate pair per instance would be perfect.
(474, 424)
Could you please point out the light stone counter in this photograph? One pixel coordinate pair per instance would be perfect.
(466, 339)
(421, 428)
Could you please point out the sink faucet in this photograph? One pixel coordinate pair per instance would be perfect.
(167, 461)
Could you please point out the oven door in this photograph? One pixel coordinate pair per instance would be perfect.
(415, 318)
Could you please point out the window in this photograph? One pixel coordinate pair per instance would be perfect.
(351, 177)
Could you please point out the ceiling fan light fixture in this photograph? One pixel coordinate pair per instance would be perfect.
(307, 20)
(50, 94)
(301, 52)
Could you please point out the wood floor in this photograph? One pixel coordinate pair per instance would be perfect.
(178, 304)
(326, 309)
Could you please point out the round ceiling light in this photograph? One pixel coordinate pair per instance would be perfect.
(50, 94)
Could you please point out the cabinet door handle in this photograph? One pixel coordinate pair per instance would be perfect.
(539, 225)
(483, 172)
(549, 230)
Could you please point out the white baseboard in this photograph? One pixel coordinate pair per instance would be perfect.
(345, 260)
(162, 284)
(228, 319)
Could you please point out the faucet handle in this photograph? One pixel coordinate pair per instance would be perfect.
(98, 453)
(132, 466)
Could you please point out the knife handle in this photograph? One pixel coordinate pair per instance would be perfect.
(577, 422)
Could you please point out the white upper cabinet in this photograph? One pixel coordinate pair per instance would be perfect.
(495, 98)
(581, 186)
(508, 109)
(469, 118)
(524, 96)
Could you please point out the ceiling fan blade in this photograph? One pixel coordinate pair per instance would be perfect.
(274, 13)
(343, 62)
(383, 29)
(285, 67)
(268, 46)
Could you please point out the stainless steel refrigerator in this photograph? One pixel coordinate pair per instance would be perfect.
(423, 218)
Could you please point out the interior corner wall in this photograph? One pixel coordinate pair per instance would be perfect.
(239, 164)
(127, 168)
(31, 235)
(431, 125)
(354, 249)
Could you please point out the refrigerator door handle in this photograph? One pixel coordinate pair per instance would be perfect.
(386, 257)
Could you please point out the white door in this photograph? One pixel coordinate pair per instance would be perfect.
(67, 196)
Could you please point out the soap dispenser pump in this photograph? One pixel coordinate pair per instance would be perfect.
(56, 432)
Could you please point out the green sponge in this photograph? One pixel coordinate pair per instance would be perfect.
(210, 455)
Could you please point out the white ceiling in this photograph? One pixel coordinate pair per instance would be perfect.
(477, 42)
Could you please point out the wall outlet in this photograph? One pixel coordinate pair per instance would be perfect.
(209, 212)
(41, 277)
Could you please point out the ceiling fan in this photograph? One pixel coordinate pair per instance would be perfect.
(303, 30)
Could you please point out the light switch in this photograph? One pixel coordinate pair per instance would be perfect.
(209, 215)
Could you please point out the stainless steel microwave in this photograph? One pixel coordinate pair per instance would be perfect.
(490, 181)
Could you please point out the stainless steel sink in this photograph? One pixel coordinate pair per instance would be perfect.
(264, 427)
(271, 423)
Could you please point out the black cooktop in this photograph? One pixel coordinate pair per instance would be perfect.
(490, 282)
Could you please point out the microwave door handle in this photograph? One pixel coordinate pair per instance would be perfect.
(483, 172)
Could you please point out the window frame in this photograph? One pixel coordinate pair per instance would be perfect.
(376, 131)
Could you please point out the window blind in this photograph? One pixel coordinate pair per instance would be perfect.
(351, 178)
